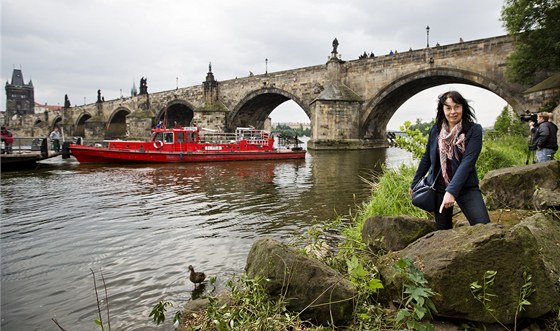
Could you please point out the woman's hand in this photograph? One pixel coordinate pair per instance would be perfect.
(410, 192)
(448, 201)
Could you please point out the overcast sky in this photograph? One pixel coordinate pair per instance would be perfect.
(77, 47)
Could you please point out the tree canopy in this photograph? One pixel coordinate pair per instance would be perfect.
(534, 25)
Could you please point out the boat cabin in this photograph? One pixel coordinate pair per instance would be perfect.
(194, 139)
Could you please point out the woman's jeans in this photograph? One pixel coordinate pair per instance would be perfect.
(471, 203)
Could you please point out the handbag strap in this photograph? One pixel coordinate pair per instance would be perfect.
(435, 178)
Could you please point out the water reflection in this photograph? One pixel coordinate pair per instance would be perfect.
(142, 225)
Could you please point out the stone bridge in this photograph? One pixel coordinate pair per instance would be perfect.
(349, 103)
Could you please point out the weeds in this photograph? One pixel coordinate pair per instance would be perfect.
(483, 295)
(248, 308)
(417, 297)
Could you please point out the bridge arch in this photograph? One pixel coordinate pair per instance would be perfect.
(79, 126)
(116, 124)
(380, 108)
(177, 111)
(255, 107)
(56, 120)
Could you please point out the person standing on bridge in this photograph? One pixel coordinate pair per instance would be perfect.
(454, 144)
(55, 138)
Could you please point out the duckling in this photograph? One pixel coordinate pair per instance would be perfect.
(196, 277)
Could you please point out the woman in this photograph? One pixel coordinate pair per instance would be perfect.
(454, 144)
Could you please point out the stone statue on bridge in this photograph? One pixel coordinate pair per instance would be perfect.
(98, 96)
(143, 85)
(66, 101)
(335, 46)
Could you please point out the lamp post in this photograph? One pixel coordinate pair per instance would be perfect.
(266, 66)
(428, 36)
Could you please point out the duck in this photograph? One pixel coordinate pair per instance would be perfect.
(196, 277)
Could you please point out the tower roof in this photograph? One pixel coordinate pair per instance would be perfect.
(17, 78)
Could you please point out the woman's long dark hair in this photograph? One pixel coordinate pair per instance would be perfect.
(468, 118)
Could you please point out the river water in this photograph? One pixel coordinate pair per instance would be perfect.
(140, 226)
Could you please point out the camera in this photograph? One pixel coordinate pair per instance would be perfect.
(528, 117)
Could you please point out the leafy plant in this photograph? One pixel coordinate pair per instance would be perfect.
(482, 294)
(158, 311)
(414, 141)
(525, 292)
(248, 308)
(417, 297)
(361, 277)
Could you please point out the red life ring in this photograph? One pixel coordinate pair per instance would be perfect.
(158, 144)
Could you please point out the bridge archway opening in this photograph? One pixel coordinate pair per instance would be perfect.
(117, 127)
(80, 129)
(56, 122)
(382, 108)
(422, 106)
(176, 114)
(289, 114)
(257, 108)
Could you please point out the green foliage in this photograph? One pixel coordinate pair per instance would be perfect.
(549, 106)
(423, 127)
(483, 294)
(414, 141)
(508, 124)
(361, 278)
(249, 308)
(503, 152)
(286, 130)
(534, 25)
(417, 297)
(158, 311)
(525, 292)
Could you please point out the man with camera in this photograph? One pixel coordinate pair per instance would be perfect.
(544, 137)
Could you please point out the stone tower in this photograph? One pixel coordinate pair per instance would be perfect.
(20, 97)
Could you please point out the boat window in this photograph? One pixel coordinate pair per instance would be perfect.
(158, 136)
(191, 137)
(180, 137)
(168, 137)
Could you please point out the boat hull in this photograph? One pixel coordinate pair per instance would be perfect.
(91, 154)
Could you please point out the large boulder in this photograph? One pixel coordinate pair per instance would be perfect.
(535, 186)
(393, 233)
(453, 259)
(320, 293)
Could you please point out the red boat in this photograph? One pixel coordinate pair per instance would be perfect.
(188, 144)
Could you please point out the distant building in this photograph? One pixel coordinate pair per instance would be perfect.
(294, 125)
(39, 108)
(20, 97)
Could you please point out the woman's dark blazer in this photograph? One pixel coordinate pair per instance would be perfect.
(464, 169)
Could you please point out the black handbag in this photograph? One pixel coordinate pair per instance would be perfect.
(424, 195)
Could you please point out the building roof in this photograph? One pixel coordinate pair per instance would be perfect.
(49, 107)
(547, 84)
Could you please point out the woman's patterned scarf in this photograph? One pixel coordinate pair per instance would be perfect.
(446, 141)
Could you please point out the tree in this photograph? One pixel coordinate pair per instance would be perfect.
(534, 26)
(508, 124)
